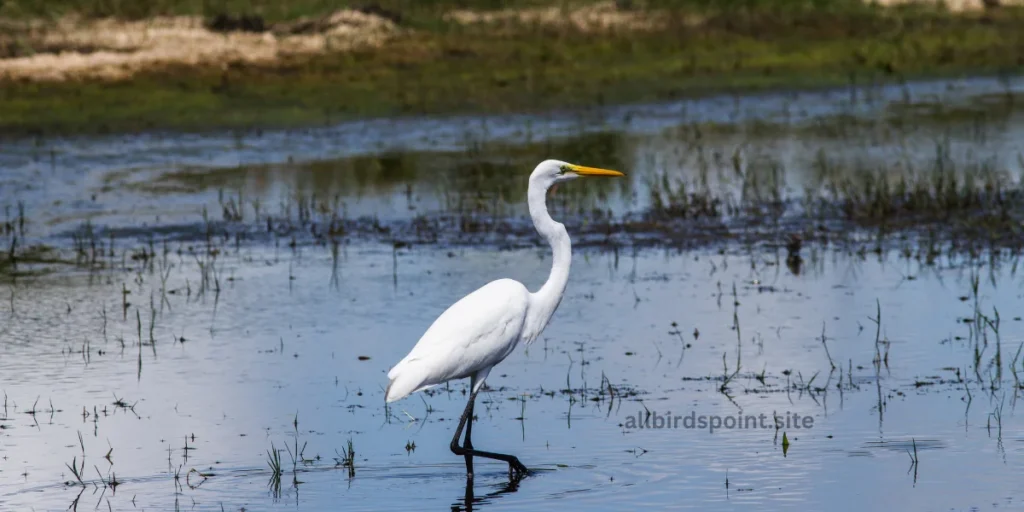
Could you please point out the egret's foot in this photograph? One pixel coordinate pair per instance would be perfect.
(516, 469)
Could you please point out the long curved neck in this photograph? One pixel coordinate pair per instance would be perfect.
(543, 302)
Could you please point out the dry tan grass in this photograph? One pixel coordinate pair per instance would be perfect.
(952, 5)
(110, 49)
(601, 16)
(115, 49)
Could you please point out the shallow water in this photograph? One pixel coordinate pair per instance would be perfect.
(268, 349)
(144, 368)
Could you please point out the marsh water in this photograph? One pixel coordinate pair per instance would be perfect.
(206, 301)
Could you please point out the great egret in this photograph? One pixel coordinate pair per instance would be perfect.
(481, 329)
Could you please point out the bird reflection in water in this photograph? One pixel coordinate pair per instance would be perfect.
(469, 501)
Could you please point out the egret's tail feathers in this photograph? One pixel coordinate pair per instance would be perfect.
(402, 386)
(405, 379)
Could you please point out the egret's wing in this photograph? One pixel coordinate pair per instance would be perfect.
(473, 334)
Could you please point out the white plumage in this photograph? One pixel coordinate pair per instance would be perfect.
(470, 337)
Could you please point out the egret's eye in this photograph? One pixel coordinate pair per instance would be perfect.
(564, 169)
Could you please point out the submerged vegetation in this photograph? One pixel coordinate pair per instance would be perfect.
(446, 57)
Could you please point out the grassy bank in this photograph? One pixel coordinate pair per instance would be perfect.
(437, 65)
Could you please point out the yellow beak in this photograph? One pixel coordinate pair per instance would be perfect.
(594, 171)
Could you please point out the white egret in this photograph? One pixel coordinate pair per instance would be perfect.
(483, 328)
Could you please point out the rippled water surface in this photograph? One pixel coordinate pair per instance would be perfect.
(177, 365)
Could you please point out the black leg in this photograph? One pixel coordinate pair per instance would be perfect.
(468, 443)
(458, 450)
(516, 469)
(469, 498)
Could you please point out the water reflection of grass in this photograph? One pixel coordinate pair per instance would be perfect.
(702, 178)
(441, 66)
(485, 178)
(475, 193)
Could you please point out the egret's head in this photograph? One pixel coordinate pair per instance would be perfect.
(550, 172)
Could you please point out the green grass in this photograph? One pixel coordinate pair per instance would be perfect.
(450, 69)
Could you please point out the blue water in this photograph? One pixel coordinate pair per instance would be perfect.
(294, 348)
(270, 348)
